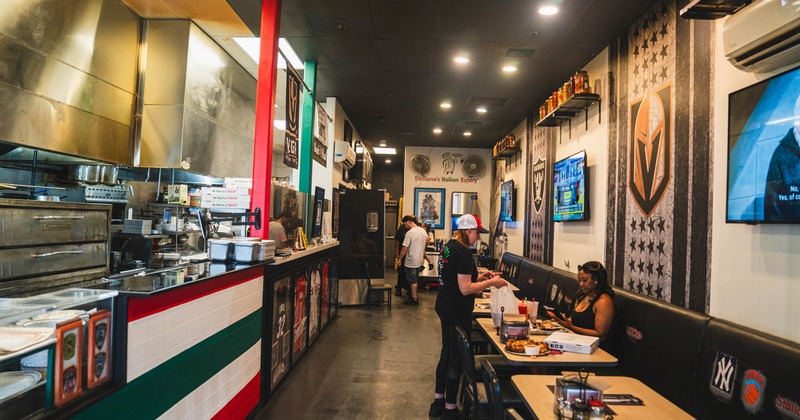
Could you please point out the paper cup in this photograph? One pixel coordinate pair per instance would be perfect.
(533, 308)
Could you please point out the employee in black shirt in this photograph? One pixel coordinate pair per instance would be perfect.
(454, 304)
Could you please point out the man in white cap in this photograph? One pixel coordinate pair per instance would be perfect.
(414, 253)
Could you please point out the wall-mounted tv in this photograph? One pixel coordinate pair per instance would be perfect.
(763, 151)
(507, 201)
(571, 188)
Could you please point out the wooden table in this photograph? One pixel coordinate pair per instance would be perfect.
(539, 399)
(598, 358)
(478, 312)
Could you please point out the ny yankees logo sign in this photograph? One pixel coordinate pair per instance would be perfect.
(651, 149)
(722, 377)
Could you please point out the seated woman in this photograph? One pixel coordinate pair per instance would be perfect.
(593, 308)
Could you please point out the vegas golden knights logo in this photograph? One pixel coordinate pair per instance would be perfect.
(650, 158)
(538, 184)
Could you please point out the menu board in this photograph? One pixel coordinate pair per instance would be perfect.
(69, 358)
(281, 337)
(300, 318)
(98, 369)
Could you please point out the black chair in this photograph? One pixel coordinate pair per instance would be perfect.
(512, 414)
(377, 287)
(472, 396)
(499, 393)
(478, 340)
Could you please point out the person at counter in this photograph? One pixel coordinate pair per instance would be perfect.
(277, 232)
(454, 304)
(413, 252)
(592, 310)
(399, 237)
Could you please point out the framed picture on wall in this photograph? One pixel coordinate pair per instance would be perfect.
(335, 213)
(429, 206)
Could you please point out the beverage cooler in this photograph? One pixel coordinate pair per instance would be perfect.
(361, 242)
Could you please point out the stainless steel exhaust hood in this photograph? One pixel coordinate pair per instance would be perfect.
(67, 78)
(198, 104)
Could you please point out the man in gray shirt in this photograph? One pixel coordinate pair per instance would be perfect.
(413, 251)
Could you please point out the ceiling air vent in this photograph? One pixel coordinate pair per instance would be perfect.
(490, 102)
(520, 52)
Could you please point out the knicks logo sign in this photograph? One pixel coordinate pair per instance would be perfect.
(650, 154)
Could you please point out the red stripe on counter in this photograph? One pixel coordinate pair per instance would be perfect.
(142, 307)
(242, 403)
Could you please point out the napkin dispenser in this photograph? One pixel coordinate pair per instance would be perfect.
(568, 390)
(514, 326)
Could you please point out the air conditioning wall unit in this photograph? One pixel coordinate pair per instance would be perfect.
(763, 36)
(342, 152)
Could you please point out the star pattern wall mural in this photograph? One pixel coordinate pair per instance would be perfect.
(659, 158)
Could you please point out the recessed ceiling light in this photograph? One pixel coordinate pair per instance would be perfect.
(388, 161)
(383, 143)
(509, 69)
(467, 134)
(481, 110)
(548, 10)
(437, 130)
(252, 46)
(461, 60)
(445, 105)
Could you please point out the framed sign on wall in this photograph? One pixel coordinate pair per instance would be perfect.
(429, 206)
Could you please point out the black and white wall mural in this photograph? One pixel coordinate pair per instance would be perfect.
(659, 180)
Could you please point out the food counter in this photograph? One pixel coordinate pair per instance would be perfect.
(45, 341)
(211, 339)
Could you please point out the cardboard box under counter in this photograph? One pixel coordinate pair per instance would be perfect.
(574, 343)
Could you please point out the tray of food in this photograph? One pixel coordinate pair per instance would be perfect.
(518, 347)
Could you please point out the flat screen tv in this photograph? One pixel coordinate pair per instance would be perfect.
(571, 188)
(763, 151)
(507, 201)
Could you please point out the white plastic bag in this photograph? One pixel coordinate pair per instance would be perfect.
(502, 298)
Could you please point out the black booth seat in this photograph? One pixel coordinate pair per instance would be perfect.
(509, 265)
(777, 359)
(657, 343)
(534, 277)
(561, 290)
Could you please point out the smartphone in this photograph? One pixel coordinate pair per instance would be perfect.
(554, 313)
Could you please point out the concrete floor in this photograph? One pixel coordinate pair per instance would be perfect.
(367, 364)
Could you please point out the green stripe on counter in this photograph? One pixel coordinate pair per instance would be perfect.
(153, 393)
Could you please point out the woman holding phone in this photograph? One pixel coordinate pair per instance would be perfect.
(593, 307)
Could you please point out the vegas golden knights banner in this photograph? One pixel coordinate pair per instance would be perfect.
(291, 145)
(659, 179)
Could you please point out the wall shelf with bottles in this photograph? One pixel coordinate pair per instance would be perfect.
(569, 109)
(506, 148)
